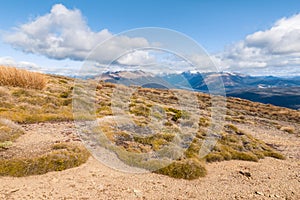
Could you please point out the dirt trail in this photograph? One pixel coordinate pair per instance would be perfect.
(269, 178)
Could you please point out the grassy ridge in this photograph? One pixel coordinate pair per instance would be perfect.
(53, 102)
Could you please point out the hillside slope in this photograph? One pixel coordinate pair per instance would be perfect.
(254, 139)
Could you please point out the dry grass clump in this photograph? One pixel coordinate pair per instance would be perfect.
(189, 169)
(24, 105)
(61, 157)
(237, 145)
(155, 141)
(288, 129)
(9, 132)
(239, 107)
(11, 76)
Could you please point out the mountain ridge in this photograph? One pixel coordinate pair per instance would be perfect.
(235, 84)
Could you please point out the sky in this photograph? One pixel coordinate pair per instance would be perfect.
(257, 37)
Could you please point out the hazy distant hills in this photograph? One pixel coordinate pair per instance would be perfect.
(234, 81)
(281, 96)
(280, 91)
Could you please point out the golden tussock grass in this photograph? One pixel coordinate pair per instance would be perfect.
(59, 157)
(11, 76)
(9, 132)
(62, 156)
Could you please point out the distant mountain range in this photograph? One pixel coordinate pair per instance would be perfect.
(280, 91)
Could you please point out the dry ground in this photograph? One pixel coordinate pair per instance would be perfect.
(269, 178)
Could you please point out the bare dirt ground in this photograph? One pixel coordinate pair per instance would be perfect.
(267, 179)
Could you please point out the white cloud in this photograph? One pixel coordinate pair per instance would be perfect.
(64, 33)
(278, 47)
(8, 61)
(282, 38)
(204, 62)
(137, 58)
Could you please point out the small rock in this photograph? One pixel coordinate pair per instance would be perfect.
(55, 180)
(277, 196)
(15, 190)
(100, 187)
(138, 193)
(247, 174)
(259, 193)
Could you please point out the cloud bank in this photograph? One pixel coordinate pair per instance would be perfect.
(64, 33)
(276, 49)
(8, 61)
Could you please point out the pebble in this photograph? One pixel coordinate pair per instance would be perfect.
(14, 190)
(259, 193)
(100, 187)
(55, 180)
(247, 174)
(138, 193)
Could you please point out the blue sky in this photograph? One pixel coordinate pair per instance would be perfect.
(237, 34)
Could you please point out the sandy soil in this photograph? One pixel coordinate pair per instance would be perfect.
(269, 178)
